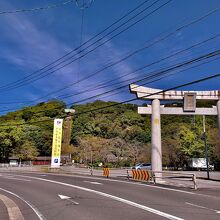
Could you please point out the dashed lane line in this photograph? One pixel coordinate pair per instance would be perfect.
(203, 207)
(94, 183)
(14, 178)
(131, 183)
(125, 201)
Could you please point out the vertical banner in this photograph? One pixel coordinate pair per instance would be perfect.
(57, 139)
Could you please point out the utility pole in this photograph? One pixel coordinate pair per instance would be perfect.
(206, 147)
(67, 127)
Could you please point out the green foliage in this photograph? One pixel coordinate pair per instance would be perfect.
(26, 151)
(117, 135)
(191, 143)
(27, 115)
(129, 134)
(34, 139)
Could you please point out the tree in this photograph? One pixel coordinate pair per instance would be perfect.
(214, 146)
(27, 115)
(191, 142)
(42, 138)
(27, 151)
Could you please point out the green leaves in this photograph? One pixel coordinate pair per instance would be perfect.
(26, 151)
(191, 138)
(118, 131)
(26, 141)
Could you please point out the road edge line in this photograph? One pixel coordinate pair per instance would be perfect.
(134, 204)
(37, 212)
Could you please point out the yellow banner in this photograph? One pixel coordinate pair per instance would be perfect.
(57, 140)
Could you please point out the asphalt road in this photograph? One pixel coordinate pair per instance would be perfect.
(37, 197)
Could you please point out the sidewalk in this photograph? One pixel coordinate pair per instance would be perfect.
(209, 187)
(214, 175)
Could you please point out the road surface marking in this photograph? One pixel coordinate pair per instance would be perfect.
(132, 183)
(146, 208)
(14, 212)
(14, 178)
(37, 212)
(68, 198)
(126, 182)
(139, 184)
(203, 207)
(95, 183)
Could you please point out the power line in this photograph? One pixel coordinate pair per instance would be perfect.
(75, 49)
(37, 8)
(141, 68)
(40, 77)
(157, 79)
(156, 74)
(193, 21)
(127, 101)
(104, 85)
(196, 20)
(151, 75)
(96, 47)
(120, 88)
(134, 52)
(159, 73)
(156, 93)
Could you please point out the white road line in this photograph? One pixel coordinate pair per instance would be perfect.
(14, 178)
(68, 198)
(203, 207)
(95, 183)
(125, 182)
(132, 183)
(134, 204)
(37, 212)
(140, 184)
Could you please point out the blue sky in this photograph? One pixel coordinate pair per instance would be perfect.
(31, 40)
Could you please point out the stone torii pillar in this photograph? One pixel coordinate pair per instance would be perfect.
(156, 151)
(189, 98)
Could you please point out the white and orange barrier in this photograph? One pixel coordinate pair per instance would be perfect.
(141, 174)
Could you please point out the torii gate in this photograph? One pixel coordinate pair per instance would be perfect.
(189, 98)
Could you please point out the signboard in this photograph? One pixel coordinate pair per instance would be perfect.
(189, 102)
(57, 139)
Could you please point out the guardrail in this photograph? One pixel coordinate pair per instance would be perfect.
(150, 176)
(174, 176)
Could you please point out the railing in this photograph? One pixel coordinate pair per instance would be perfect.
(173, 177)
(176, 178)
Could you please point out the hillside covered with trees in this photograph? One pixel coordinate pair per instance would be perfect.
(116, 135)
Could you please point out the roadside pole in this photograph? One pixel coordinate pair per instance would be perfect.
(67, 129)
(206, 147)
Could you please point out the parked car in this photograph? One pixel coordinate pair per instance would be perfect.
(142, 166)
